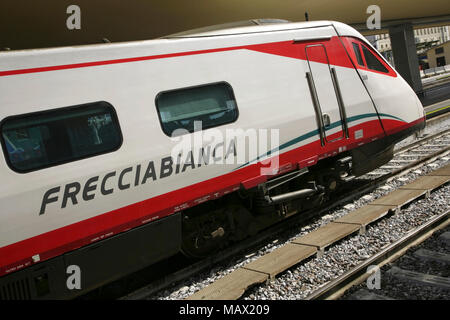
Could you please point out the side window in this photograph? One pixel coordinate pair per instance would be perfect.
(39, 140)
(372, 61)
(208, 105)
(358, 54)
(439, 50)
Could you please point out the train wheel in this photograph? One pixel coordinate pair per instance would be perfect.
(204, 233)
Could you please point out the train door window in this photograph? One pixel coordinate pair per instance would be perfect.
(372, 61)
(43, 139)
(358, 54)
(196, 108)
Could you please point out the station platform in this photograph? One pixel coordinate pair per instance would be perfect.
(436, 94)
(437, 108)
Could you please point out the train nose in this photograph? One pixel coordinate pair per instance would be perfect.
(420, 108)
(422, 115)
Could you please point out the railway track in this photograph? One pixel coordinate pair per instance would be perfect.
(359, 274)
(390, 171)
(315, 243)
(420, 273)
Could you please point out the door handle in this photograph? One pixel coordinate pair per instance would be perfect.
(315, 101)
(364, 77)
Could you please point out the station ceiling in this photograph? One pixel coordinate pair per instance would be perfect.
(42, 23)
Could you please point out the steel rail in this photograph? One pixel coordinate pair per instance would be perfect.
(421, 141)
(359, 273)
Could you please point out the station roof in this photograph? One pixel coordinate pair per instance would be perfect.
(35, 24)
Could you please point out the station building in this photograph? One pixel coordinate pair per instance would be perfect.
(439, 56)
(438, 35)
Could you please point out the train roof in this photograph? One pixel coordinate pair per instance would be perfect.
(260, 26)
(246, 26)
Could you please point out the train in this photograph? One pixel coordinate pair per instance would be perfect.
(119, 155)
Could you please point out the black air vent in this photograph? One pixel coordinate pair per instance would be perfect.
(16, 290)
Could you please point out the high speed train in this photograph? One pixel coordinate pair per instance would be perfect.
(120, 155)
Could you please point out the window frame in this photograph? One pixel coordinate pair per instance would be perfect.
(377, 57)
(347, 42)
(439, 50)
(77, 107)
(360, 54)
(230, 89)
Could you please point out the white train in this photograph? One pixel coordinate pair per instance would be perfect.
(89, 176)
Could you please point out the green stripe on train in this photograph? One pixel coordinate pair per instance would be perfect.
(316, 132)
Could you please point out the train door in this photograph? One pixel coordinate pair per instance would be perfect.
(326, 95)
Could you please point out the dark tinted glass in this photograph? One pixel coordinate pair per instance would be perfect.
(372, 61)
(439, 50)
(358, 54)
(206, 106)
(44, 139)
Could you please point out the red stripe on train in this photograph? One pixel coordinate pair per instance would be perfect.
(18, 255)
(337, 56)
